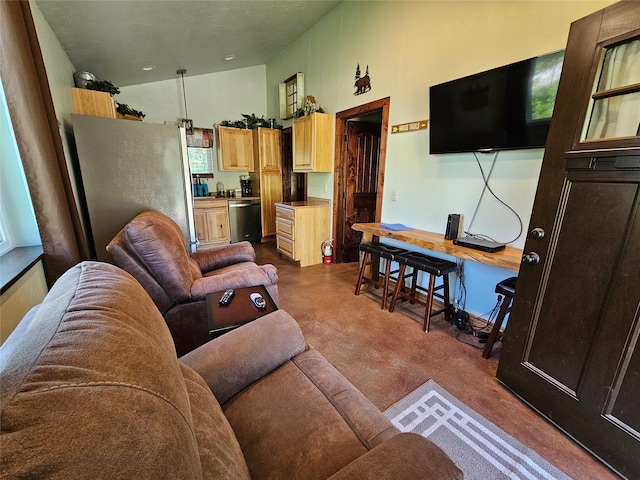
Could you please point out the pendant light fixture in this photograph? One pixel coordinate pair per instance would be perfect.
(187, 123)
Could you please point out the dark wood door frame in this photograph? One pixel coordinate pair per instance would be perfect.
(381, 105)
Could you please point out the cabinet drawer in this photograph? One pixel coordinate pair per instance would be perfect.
(285, 228)
(284, 212)
(285, 246)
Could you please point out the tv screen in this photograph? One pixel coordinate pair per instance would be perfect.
(506, 108)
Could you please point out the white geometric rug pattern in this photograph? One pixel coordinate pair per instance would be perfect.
(479, 448)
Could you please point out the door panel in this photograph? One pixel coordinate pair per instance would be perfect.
(361, 182)
(570, 345)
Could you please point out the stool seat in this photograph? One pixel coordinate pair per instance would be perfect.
(432, 265)
(434, 268)
(373, 252)
(506, 288)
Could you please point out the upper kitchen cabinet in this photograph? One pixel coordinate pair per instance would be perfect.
(313, 143)
(235, 149)
(266, 142)
(93, 102)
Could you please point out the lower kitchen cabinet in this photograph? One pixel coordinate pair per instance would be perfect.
(211, 218)
(301, 227)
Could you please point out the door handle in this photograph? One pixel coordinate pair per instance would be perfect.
(537, 233)
(530, 258)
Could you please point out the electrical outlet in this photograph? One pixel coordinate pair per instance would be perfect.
(394, 195)
(326, 188)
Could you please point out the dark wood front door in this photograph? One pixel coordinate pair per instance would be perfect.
(571, 346)
(361, 182)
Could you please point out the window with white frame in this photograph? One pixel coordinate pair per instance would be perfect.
(291, 95)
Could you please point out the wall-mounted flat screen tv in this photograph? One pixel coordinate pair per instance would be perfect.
(506, 108)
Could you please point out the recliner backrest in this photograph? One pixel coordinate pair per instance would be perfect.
(157, 243)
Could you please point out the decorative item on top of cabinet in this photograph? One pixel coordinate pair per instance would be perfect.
(301, 227)
(313, 143)
(267, 175)
(235, 149)
(211, 218)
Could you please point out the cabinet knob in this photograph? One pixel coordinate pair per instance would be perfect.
(531, 258)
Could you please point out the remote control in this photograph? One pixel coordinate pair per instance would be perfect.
(226, 297)
(258, 301)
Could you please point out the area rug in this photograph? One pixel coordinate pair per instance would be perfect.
(479, 448)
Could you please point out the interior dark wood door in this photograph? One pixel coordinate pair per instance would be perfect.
(571, 346)
(294, 185)
(361, 182)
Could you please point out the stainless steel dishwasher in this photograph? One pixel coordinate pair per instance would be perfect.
(245, 220)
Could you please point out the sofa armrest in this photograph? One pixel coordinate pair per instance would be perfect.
(224, 255)
(407, 455)
(236, 359)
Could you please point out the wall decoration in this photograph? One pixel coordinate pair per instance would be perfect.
(410, 127)
(363, 84)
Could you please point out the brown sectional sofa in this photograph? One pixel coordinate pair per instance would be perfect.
(92, 388)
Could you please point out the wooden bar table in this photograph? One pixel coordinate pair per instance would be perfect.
(509, 258)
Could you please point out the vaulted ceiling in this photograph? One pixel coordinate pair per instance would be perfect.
(115, 39)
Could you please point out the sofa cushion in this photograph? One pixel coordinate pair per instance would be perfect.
(93, 386)
(306, 421)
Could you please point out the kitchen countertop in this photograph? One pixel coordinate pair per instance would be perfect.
(310, 202)
(212, 197)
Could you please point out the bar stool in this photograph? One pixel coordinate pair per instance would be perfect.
(507, 288)
(373, 252)
(434, 267)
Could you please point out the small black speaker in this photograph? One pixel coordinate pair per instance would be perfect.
(453, 225)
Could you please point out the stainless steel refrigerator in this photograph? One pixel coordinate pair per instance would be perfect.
(127, 167)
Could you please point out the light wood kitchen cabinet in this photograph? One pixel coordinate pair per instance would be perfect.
(211, 218)
(93, 102)
(235, 149)
(313, 143)
(301, 227)
(267, 175)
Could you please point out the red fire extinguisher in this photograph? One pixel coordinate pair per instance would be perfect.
(327, 251)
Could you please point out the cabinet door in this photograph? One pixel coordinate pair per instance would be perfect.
(218, 219)
(201, 225)
(303, 144)
(571, 344)
(235, 149)
(270, 194)
(212, 226)
(269, 149)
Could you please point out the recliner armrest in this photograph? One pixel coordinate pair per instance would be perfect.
(407, 455)
(236, 359)
(224, 255)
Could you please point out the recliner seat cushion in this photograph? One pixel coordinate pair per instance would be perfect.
(307, 421)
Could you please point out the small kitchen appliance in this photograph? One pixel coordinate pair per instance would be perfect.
(246, 185)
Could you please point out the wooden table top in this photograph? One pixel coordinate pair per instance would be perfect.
(509, 258)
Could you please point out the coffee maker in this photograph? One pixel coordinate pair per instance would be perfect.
(246, 185)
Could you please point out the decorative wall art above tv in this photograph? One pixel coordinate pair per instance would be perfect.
(506, 108)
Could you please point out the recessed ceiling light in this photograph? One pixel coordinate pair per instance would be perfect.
(148, 68)
(229, 57)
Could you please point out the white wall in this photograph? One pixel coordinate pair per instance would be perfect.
(409, 46)
(210, 99)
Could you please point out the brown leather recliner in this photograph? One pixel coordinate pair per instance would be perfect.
(151, 248)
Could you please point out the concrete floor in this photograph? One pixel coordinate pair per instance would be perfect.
(387, 355)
